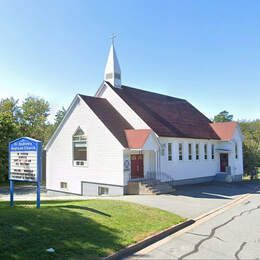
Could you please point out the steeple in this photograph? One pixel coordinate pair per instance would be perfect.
(112, 70)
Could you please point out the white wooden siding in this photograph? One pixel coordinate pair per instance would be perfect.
(185, 168)
(236, 163)
(105, 153)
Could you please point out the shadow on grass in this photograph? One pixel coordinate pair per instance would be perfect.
(87, 209)
(26, 233)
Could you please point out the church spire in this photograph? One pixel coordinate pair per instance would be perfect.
(112, 70)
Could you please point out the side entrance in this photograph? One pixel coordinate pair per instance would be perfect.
(223, 161)
(137, 166)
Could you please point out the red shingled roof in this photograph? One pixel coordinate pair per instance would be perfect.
(109, 116)
(225, 130)
(136, 138)
(167, 116)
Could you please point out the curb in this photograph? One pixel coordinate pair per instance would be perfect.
(127, 251)
(202, 218)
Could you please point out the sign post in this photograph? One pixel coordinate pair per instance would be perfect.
(25, 164)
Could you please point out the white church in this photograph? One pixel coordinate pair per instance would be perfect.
(127, 140)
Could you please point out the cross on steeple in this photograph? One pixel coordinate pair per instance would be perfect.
(112, 37)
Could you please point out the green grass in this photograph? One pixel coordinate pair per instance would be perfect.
(248, 178)
(76, 229)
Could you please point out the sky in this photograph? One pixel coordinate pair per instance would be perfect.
(207, 52)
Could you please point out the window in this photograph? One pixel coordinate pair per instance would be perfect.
(212, 152)
(109, 75)
(236, 151)
(169, 152)
(205, 151)
(79, 141)
(63, 185)
(102, 190)
(180, 152)
(197, 152)
(190, 151)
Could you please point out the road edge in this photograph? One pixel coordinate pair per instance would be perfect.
(154, 241)
(197, 221)
(131, 249)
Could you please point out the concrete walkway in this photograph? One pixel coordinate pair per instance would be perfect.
(187, 201)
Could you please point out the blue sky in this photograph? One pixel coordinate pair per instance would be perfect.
(207, 52)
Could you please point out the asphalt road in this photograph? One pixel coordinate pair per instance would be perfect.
(234, 234)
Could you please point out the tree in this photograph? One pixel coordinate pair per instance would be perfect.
(251, 132)
(9, 129)
(223, 116)
(34, 118)
(59, 116)
(31, 119)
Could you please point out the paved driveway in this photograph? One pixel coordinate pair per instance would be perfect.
(193, 200)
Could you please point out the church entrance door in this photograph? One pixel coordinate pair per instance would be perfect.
(137, 166)
(223, 161)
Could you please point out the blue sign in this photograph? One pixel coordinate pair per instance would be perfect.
(24, 144)
(25, 163)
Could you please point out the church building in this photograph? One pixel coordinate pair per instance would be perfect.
(127, 140)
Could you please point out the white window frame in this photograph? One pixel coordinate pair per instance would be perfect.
(103, 191)
(213, 156)
(64, 185)
(190, 152)
(169, 149)
(197, 151)
(205, 149)
(180, 151)
(79, 163)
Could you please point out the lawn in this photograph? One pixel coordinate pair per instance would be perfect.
(76, 229)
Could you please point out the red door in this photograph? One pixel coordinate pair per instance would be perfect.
(223, 161)
(137, 166)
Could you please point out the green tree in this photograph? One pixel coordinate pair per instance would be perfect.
(34, 118)
(251, 132)
(223, 116)
(31, 119)
(9, 130)
(59, 116)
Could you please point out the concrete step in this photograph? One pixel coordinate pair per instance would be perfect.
(161, 188)
(145, 187)
(159, 185)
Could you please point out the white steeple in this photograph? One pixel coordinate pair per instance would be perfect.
(112, 70)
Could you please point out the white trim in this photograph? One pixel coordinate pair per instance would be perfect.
(240, 132)
(79, 163)
(101, 89)
(66, 116)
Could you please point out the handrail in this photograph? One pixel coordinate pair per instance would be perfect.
(152, 177)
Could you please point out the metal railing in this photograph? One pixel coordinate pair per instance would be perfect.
(151, 177)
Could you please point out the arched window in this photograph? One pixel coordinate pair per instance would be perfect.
(79, 144)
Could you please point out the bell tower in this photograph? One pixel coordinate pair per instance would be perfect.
(112, 70)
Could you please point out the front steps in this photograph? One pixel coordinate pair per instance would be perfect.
(154, 187)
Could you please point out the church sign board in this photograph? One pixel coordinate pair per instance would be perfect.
(25, 163)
